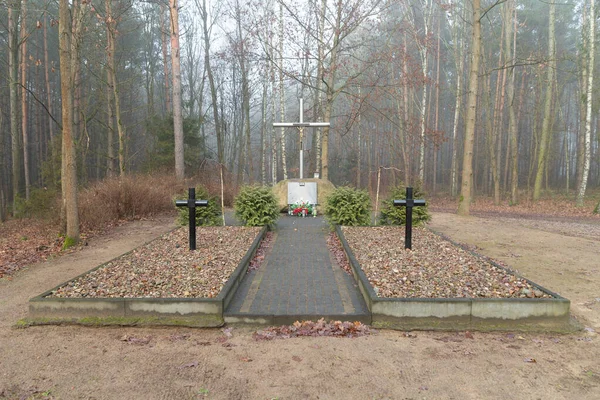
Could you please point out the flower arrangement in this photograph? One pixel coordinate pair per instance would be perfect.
(302, 209)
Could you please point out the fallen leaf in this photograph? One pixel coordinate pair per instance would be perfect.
(135, 340)
(189, 365)
(227, 332)
(296, 358)
(245, 359)
(469, 335)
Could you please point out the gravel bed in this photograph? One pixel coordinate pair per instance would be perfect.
(434, 268)
(166, 268)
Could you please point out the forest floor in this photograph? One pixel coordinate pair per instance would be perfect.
(69, 362)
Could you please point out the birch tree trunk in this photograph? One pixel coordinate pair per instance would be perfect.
(548, 120)
(427, 7)
(176, 72)
(588, 99)
(467, 172)
(211, 80)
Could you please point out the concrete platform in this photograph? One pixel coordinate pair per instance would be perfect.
(538, 314)
(193, 312)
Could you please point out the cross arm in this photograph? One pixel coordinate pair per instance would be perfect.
(410, 203)
(191, 203)
(300, 124)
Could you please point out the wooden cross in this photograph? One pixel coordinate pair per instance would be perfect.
(409, 203)
(191, 203)
(301, 125)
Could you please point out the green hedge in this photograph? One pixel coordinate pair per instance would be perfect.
(348, 206)
(256, 206)
(207, 216)
(391, 215)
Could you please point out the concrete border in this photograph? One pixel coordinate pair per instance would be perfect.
(537, 314)
(193, 312)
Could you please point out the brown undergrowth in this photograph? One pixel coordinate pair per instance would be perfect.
(102, 206)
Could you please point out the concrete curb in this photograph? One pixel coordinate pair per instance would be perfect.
(193, 312)
(541, 314)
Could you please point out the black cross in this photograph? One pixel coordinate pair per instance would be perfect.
(192, 203)
(409, 203)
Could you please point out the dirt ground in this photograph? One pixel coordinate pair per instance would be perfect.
(73, 362)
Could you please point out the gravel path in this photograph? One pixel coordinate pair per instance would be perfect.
(167, 268)
(434, 268)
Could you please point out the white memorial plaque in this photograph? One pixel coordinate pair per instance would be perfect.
(302, 192)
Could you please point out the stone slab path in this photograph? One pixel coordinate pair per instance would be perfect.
(298, 280)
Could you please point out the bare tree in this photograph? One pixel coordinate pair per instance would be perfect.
(467, 171)
(70, 28)
(588, 102)
(176, 70)
(548, 116)
(14, 9)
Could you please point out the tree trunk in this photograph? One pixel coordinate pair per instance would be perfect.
(548, 120)
(588, 99)
(211, 81)
(49, 94)
(13, 71)
(330, 91)
(111, 29)
(424, 54)
(245, 94)
(24, 98)
(164, 47)
(510, 98)
(176, 72)
(69, 178)
(467, 172)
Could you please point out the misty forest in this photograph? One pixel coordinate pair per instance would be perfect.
(464, 98)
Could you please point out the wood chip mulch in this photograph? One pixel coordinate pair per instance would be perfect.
(167, 268)
(434, 268)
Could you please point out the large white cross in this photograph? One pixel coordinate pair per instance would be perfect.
(301, 125)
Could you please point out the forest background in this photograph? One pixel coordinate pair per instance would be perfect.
(465, 98)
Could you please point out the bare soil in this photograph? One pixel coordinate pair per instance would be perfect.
(73, 362)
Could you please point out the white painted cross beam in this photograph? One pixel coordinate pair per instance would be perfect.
(301, 125)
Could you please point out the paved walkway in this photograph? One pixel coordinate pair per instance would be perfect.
(298, 280)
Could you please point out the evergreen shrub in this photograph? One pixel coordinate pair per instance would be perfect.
(256, 206)
(348, 206)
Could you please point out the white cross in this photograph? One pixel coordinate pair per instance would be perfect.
(301, 125)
